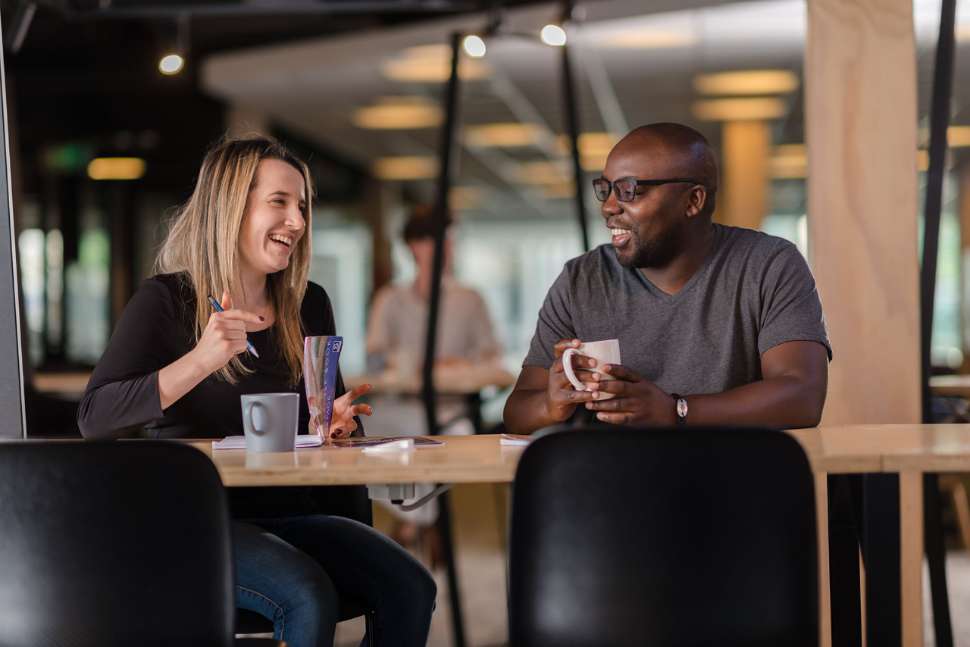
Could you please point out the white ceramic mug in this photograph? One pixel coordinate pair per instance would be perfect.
(604, 352)
(270, 421)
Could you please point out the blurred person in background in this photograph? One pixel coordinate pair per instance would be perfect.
(396, 337)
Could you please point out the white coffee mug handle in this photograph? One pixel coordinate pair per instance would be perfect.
(257, 418)
(567, 366)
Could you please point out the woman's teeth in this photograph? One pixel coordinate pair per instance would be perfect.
(285, 240)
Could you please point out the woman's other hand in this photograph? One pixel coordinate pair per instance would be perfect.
(342, 425)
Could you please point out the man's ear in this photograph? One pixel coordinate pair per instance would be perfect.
(696, 200)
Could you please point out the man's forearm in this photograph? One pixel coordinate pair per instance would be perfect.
(784, 402)
(525, 412)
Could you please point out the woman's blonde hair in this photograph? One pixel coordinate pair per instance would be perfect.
(203, 242)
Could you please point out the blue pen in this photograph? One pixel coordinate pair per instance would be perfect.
(218, 308)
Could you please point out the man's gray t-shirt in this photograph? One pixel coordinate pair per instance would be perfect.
(753, 292)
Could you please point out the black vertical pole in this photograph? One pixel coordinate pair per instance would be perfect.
(572, 128)
(440, 215)
(939, 123)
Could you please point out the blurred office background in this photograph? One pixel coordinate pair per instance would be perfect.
(104, 144)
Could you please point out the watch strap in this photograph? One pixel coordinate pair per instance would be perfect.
(680, 408)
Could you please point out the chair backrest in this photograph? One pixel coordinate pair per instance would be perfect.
(113, 543)
(679, 537)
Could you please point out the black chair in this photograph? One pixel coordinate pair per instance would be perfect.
(113, 544)
(679, 537)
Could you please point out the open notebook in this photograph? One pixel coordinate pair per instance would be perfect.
(239, 442)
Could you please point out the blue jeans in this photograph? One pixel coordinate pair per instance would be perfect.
(295, 570)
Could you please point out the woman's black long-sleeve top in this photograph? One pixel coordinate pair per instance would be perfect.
(157, 328)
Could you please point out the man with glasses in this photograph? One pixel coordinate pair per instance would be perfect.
(716, 325)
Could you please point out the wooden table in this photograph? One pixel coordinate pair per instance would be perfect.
(460, 459)
(906, 450)
(909, 451)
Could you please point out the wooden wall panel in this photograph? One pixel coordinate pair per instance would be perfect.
(860, 105)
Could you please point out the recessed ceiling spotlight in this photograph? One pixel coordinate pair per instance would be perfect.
(474, 46)
(171, 64)
(553, 35)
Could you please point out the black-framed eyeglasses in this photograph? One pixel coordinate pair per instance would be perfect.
(626, 187)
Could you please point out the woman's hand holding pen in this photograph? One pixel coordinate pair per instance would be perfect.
(224, 336)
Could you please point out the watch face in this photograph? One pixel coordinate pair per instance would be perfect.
(682, 408)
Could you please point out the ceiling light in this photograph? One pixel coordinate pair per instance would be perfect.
(173, 60)
(590, 144)
(474, 46)
(958, 136)
(645, 40)
(116, 168)
(406, 167)
(541, 173)
(922, 160)
(553, 35)
(398, 113)
(561, 191)
(171, 64)
(503, 135)
(431, 64)
(751, 109)
(593, 163)
(747, 82)
(789, 161)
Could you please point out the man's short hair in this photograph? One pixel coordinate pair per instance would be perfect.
(420, 224)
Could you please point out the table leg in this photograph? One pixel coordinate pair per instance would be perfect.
(824, 595)
(842, 597)
(911, 556)
(936, 559)
(881, 556)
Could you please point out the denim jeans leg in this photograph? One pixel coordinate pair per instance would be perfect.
(370, 570)
(284, 585)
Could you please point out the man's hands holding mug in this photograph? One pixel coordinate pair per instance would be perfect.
(631, 399)
(635, 401)
(561, 397)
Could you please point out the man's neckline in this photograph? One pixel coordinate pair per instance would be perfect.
(714, 245)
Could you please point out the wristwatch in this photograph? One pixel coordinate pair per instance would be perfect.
(681, 408)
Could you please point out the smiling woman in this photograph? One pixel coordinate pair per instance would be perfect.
(175, 368)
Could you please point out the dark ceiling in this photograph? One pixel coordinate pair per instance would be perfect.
(86, 69)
